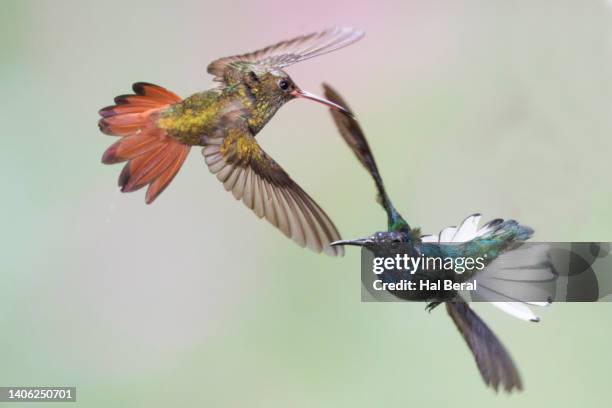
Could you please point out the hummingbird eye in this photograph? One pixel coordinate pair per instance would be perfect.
(283, 84)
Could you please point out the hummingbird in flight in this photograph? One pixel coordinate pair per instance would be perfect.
(497, 240)
(157, 130)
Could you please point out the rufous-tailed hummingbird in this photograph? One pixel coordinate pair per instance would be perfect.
(158, 128)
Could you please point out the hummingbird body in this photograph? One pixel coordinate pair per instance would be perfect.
(490, 242)
(199, 114)
(158, 129)
(499, 237)
(250, 102)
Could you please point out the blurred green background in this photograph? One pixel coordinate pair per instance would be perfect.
(498, 107)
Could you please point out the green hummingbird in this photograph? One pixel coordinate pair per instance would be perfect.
(157, 129)
(498, 240)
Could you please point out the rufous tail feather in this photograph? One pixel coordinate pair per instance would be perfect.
(153, 158)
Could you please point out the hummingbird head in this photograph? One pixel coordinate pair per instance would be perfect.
(272, 88)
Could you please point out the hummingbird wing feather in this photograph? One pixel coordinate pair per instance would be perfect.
(517, 278)
(524, 270)
(289, 52)
(492, 359)
(352, 134)
(255, 178)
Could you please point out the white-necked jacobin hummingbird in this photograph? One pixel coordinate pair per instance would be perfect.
(495, 239)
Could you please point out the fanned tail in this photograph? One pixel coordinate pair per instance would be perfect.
(153, 158)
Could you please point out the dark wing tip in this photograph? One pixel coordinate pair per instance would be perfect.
(124, 177)
(110, 155)
(122, 99)
(103, 126)
(139, 87)
(333, 95)
(493, 361)
(107, 111)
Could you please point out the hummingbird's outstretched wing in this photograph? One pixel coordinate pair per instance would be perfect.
(353, 135)
(289, 52)
(256, 179)
(492, 359)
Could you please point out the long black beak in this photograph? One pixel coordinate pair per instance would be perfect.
(299, 93)
(354, 242)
